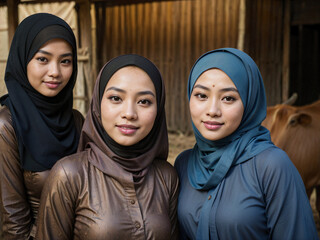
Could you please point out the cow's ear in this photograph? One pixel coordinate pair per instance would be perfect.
(300, 118)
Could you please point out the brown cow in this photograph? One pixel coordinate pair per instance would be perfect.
(296, 130)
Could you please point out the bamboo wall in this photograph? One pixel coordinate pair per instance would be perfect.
(172, 34)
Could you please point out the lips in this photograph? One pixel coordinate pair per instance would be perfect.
(127, 129)
(52, 84)
(212, 125)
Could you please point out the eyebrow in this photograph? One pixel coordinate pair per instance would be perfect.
(147, 92)
(228, 89)
(47, 53)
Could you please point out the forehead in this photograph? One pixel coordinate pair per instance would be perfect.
(131, 77)
(53, 43)
(214, 77)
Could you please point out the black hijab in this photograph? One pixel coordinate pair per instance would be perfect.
(44, 126)
(154, 74)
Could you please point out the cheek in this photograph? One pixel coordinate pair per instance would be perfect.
(32, 72)
(149, 117)
(236, 116)
(106, 115)
(195, 109)
(67, 74)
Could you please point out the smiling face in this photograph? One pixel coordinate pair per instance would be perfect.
(129, 106)
(215, 105)
(51, 67)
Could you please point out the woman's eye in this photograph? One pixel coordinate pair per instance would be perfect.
(229, 99)
(201, 96)
(66, 61)
(42, 59)
(115, 98)
(145, 102)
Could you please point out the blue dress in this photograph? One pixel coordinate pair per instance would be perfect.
(262, 198)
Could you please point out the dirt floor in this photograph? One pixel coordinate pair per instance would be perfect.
(180, 142)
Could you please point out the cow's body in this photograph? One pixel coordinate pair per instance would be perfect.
(296, 130)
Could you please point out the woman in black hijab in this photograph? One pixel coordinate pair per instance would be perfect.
(119, 185)
(37, 123)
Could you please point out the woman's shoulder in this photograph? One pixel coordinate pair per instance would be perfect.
(182, 159)
(274, 164)
(6, 125)
(5, 116)
(71, 166)
(273, 157)
(165, 170)
(164, 167)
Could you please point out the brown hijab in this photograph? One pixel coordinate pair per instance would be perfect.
(109, 156)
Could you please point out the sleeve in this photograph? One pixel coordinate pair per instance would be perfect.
(174, 204)
(288, 210)
(14, 206)
(56, 214)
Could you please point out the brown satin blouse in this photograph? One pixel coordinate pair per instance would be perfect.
(20, 190)
(81, 201)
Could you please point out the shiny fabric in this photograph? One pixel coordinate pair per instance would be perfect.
(98, 194)
(20, 189)
(82, 202)
(262, 198)
(37, 118)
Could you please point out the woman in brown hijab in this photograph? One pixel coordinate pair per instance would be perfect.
(119, 185)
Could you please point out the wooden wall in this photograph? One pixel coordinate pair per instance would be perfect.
(264, 42)
(305, 50)
(172, 34)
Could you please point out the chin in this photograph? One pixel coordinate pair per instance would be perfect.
(211, 137)
(50, 94)
(126, 143)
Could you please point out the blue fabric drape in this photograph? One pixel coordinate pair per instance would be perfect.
(210, 161)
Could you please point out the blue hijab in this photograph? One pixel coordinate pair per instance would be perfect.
(210, 161)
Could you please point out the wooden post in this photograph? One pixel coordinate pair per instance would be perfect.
(84, 23)
(242, 24)
(12, 18)
(286, 51)
(85, 41)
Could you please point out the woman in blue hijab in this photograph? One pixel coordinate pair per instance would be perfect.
(235, 184)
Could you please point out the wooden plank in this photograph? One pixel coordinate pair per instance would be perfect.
(305, 12)
(241, 25)
(85, 41)
(286, 51)
(139, 29)
(12, 18)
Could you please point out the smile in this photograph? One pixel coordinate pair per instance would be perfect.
(52, 85)
(212, 125)
(127, 129)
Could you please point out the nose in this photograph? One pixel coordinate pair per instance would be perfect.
(54, 70)
(214, 109)
(129, 111)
